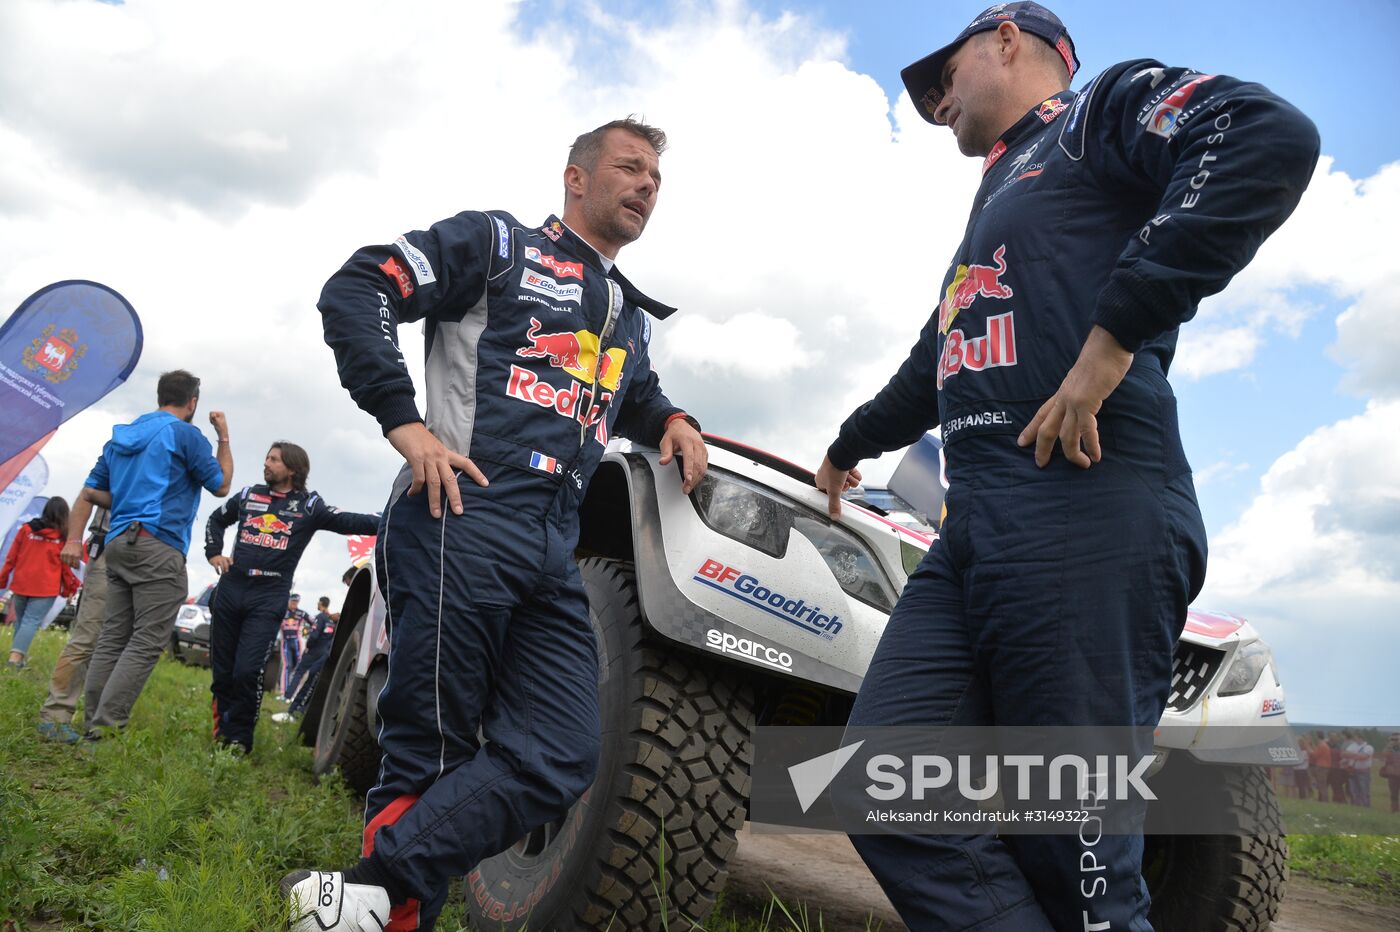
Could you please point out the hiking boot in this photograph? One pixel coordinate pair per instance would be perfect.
(324, 902)
(59, 731)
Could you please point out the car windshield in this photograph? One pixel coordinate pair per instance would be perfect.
(205, 596)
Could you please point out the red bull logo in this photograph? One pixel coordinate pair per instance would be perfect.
(574, 401)
(1050, 109)
(576, 352)
(265, 531)
(267, 524)
(995, 348)
(971, 282)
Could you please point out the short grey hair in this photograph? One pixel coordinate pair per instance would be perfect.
(586, 148)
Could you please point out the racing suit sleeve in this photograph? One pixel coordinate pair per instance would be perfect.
(346, 522)
(219, 519)
(903, 411)
(645, 407)
(1227, 162)
(436, 273)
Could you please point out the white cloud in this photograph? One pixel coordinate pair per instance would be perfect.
(1215, 472)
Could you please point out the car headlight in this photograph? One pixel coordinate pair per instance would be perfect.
(751, 515)
(1249, 664)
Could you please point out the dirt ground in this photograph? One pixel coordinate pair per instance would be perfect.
(824, 872)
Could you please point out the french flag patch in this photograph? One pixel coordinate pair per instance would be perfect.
(543, 463)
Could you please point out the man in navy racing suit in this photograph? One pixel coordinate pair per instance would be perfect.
(319, 641)
(537, 353)
(1059, 584)
(275, 523)
(293, 624)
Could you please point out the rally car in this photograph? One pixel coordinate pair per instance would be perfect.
(744, 604)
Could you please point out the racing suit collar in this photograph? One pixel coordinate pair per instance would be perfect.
(1034, 120)
(592, 257)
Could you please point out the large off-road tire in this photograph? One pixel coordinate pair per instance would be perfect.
(1217, 883)
(345, 736)
(674, 764)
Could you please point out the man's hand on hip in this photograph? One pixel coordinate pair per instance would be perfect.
(833, 482)
(683, 440)
(1071, 413)
(433, 465)
(221, 564)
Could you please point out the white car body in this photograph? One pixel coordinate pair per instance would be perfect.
(685, 600)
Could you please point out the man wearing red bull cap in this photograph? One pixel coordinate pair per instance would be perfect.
(1059, 584)
(537, 353)
(276, 521)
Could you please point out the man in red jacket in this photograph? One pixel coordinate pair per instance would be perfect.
(36, 576)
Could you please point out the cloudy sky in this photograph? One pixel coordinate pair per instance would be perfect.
(215, 162)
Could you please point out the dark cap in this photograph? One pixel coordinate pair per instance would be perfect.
(924, 78)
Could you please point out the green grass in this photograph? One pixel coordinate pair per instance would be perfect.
(1346, 844)
(154, 830)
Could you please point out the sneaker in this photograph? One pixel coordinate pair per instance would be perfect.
(59, 731)
(15, 665)
(282, 717)
(324, 902)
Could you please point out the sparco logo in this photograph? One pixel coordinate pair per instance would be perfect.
(747, 647)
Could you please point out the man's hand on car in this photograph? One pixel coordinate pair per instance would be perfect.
(685, 441)
(221, 564)
(433, 465)
(1070, 414)
(833, 482)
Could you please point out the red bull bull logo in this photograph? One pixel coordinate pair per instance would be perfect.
(576, 352)
(561, 349)
(971, 282)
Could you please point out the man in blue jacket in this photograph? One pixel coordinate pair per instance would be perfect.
(1059, 584)
(151, 473)
(537, 353)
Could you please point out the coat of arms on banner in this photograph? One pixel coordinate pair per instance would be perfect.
(55, 355)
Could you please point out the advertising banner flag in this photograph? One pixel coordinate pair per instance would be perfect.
(361, 547)
(16, 498)
(15, 465)
(67, 346)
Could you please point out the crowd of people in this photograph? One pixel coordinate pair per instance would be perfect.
(138, 506)
(1339, 765)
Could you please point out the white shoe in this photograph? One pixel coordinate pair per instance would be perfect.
(324, 902)
(280, 717)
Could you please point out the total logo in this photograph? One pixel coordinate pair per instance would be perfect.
(1166, 116)
(747, 647)
(543, 284)
(562, 269)
(1271, 707)
(748, 589)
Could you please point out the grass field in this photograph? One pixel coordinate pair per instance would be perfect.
(156, 831)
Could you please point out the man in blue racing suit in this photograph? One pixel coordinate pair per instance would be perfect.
(1059, 584)
(537, 353)
(275, 523)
